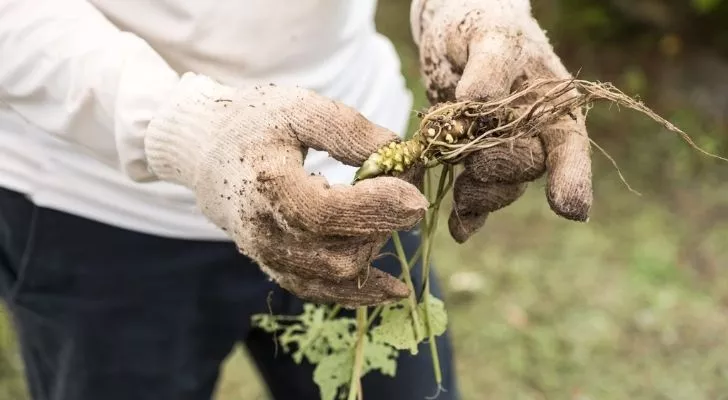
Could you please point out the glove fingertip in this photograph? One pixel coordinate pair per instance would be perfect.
(480, 88)
(493, 64)
(399, 203)
(392, 288)
(570, 199)
(569, 189)
(462, 227)
(371, 288)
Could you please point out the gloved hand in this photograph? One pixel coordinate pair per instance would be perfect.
(241, 151)
(483, 49)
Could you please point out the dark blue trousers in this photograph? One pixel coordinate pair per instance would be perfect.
(104, 313)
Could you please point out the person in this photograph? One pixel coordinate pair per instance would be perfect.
(145, 145)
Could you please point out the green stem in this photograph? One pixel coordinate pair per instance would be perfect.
(431, 339)
(431, 228)
(361, 329)
(408, 280)
(378, 310)
(334, 311)
(446, 179)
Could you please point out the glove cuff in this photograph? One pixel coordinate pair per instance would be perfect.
(177, 138)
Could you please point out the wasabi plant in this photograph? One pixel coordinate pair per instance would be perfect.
(345, 349)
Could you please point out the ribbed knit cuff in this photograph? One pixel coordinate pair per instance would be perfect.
(177, 137)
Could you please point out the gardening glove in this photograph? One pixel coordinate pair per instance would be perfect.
(485, 49)
(241, 152)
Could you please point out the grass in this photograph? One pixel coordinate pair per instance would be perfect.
(631, 305)
(597, 311)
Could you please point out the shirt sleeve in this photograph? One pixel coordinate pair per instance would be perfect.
(68, 70)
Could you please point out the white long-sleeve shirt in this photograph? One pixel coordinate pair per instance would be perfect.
(81, 79)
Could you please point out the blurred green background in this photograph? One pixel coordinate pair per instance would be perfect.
(632, 305)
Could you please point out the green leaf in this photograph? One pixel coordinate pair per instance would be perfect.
(397, 327)
(332, 372)
(306, 335)
(329, 343)
(309, 335)
(331, 336)
(339, 334)
(379, 356)
(438, 315)
(297, 336)
(266, 322)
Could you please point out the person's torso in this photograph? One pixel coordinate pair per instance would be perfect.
(330, 46)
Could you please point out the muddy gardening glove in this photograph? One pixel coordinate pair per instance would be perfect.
(484, 49)
(241, 152)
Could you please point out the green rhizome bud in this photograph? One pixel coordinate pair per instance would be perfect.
(393, 157)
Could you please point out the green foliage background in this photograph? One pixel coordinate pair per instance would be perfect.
(633, 304)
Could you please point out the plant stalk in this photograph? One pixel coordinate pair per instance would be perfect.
(378, 309)
(408, 280)
(361, 331)
(446, 180)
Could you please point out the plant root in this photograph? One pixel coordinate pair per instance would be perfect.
(448, 132)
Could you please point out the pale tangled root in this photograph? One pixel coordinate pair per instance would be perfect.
(448, 132)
